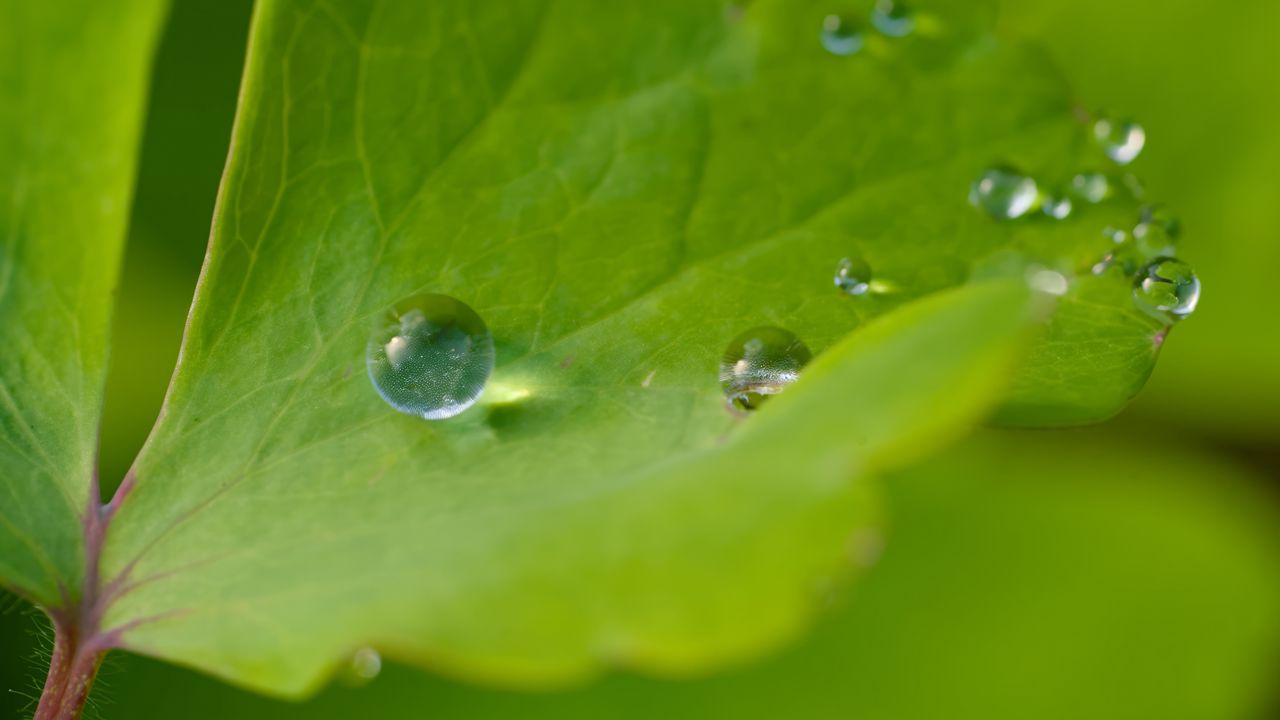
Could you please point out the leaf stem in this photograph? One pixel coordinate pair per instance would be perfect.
(79, 643)
(71, 671)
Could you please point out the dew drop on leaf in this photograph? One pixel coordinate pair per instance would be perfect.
(430, 356)
(1167, 289)
(761, 362)
(1092, 187)
(841, 35)
(853, 276)
(363, 667)
(1121, 141)
(893, 18)
(1058, 207)
(1004, 193)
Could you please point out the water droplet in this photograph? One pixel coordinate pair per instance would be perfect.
(841, 35)
(1167, 289)
(430, 356)
(648, 379)
(853, 276)
(1156, 232)
(1092, 187)
(1048, 281)
(1121, 141)
(1105, 263)
(1004, 193)
(1057, 207)
(761, 362)
(1115, 235)
(365, 665)
(893, 18)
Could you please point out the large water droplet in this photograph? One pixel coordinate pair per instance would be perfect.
(893, 18)
(1156, 232)
(1004, 193)
(1121, 141)
(853, 276)
(841, 35)
(1167, 289)
(430, 356)
(1092, 187)
(761, 362)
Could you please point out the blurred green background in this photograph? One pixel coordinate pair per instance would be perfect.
(1130, 570)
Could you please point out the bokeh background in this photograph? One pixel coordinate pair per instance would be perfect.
(1031, 588)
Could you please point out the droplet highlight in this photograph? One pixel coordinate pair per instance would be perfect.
(853, 276)
(1004, 193)
(1122, 141)
(1058, 207)
(841, 35)
(1050, 282)
(893, 18)
(759, 363)
(1167, 289)
(430, 356)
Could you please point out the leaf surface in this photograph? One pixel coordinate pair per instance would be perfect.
(618, 192)
(73, 77)
(1219, 373)
(1056, 576)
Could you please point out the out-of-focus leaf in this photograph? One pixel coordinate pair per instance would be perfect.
(1056, 577)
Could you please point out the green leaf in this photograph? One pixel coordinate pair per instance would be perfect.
(1219, 181)
(617, 191)
(1050, 576)
(478, 564)
(72, 83)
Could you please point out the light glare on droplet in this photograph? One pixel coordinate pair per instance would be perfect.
(1049, 281)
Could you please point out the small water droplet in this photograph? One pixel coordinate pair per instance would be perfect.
(1167, 289)
(1057, 207)
(1156, 233)
(430, 356)
(853, 276)
(1004, 193)
(365, 665)
(1122, 141)
(893, 18)
(1105, 263)
(1115, 235)
(1092, 187)
(841, 35)
(761, 362)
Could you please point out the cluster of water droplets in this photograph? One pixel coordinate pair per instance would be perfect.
(1163, 286)
(431, 355)
(843, 34)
